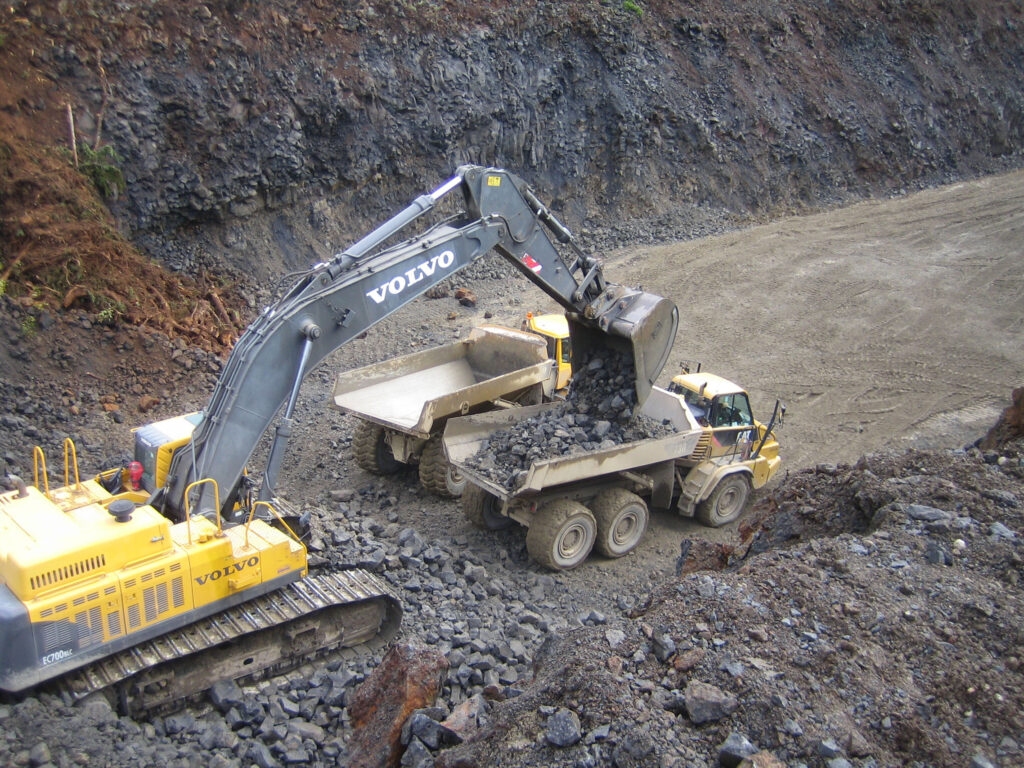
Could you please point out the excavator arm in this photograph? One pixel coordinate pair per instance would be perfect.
(338, 300)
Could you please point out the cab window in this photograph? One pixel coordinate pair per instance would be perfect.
(567, 350)
(698, 404)
(731, 411)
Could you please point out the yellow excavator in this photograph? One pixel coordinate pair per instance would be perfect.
(156, 580)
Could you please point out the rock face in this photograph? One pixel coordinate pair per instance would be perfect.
(308, 120)
(407, 679)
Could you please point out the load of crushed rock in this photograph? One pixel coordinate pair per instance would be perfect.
(599, 413)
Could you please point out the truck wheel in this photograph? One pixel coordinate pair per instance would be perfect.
(371, 450)
(436, 474)
(621, 521)
(561, 534)
(481, 509)
(726, 502)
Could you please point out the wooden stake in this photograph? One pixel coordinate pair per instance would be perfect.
(71, 135)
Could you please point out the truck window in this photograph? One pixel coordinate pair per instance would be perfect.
(731, 411)
(566, 350)
(552, 345)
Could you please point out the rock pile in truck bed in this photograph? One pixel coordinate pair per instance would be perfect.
(599, 413)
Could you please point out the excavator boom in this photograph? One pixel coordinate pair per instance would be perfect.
(340, 299)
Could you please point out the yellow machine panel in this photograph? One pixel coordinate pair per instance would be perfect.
(79, 583)
(43, 548)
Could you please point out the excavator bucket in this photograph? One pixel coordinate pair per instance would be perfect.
(640, 324)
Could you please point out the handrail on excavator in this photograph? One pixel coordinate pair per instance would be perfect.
(39, 460)
(188, 511)
(275, 513)
(69, 447)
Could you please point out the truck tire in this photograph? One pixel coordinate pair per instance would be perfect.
(371, 450)
(726, 502)
(481, 509)
(437, 475)
(621, 521)
(561, 534)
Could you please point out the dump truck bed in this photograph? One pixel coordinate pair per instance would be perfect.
(409, 393)
(463, 437)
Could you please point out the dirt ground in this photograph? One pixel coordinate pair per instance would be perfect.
(887, 324)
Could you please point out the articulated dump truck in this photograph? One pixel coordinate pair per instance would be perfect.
(705, 467)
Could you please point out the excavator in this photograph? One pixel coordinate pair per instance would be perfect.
(154, 581)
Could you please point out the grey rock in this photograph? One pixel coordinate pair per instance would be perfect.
(734, 749)
(927, 514)
(1001, 532)
(39, 754)
(1001, 497)
(828, 748)
(288, 707)
(734, 668)
(662, 644)
(936, 554)
(563, 728)
(226, 694)
(260, 754)
(181, 722)
(306, 730)
(707, 703)
(417, 755)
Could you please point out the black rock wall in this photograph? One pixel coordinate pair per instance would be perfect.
(297, 124)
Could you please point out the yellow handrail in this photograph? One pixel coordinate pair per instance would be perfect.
(70, 444)
(188, 513)
(39, 459)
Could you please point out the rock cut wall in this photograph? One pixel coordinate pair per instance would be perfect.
(298, 123)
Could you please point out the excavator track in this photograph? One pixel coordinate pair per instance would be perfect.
(266, 636)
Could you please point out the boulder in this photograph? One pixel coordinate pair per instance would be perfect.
(407, 679)
(706, 703)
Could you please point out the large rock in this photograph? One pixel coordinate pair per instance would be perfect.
(563, 728)
(706, 703)
(407, 679)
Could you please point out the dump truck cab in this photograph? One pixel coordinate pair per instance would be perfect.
(554, 328)
(736, 453)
